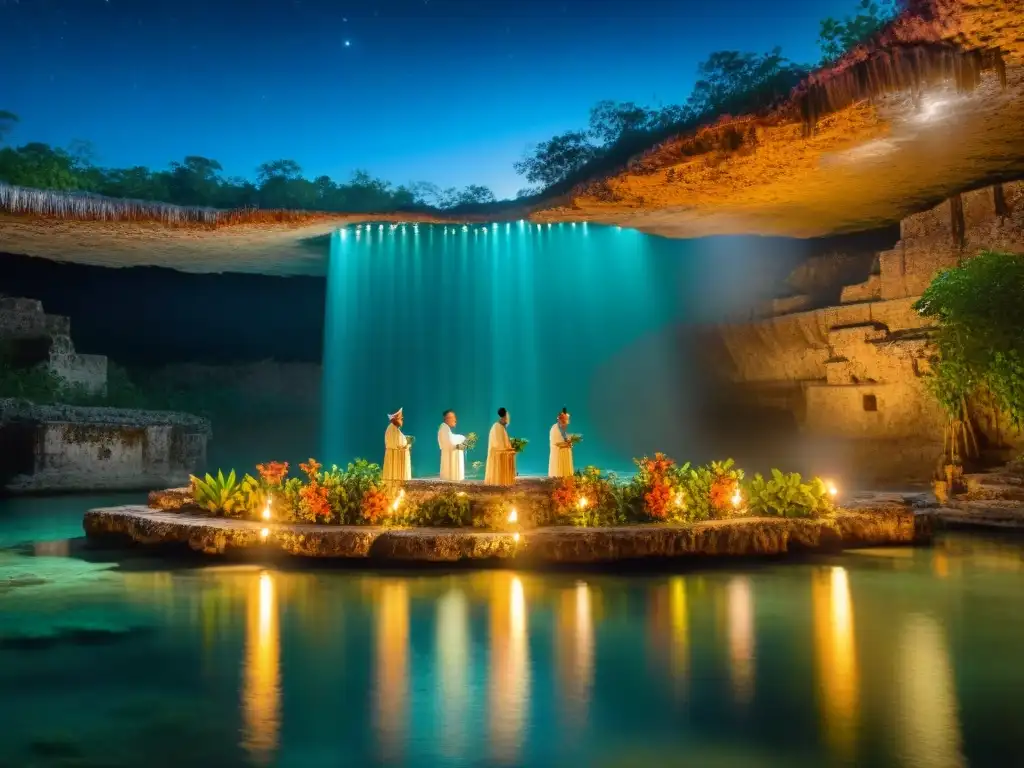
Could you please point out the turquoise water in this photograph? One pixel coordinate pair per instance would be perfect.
(892, 658)
(527, 317)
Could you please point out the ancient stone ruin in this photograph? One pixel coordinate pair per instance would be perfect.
(77, 448)
(853, 370)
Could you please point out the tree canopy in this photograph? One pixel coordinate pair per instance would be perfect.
(979, 340)
(728, 83)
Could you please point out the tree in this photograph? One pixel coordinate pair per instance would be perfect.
(7, 121)
(278, 169)
(195, 181)
(476, 194)
(732, 83)
(555, 159)
(978, 344)
(837, 36)
(611, 120)
(39, 165)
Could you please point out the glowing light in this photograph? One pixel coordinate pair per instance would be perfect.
(582, 503)
(932, 109)
(266, 511)
(832, 490)
(737, 498)
(380, 227)
(465, 228)
(515, 536)
(343, 233)
(461, 493)
(680, 500)
(348, 43)
(398, 500)
(513, 516)
(264, 533)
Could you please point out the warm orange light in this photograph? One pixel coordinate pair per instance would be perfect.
(582, 503)
(513, 516)
(737, 498)
(264, 533)
(680, 501)
(832, 490)
(266, 512)
(515, 536)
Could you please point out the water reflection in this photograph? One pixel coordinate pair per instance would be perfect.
(574, 648)
(392, 659)
(453, 665)
(741, 638)
(929, 721)
(836, 660)
(679, 655)
(261, 687)
(509, 668)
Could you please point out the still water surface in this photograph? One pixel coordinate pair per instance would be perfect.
(892, 658)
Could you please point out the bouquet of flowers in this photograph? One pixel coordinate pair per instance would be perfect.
(572, 440)
(518, 443)
(469, 443)
(409, 440)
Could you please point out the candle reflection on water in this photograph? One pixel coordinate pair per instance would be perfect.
(741, 638)
(453, 664)
(509, 668)
(574, 627)
(679, 655)
(261, 690)
(836, 660)
(392, 660)
(929, 720)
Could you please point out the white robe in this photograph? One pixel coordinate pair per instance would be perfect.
(397, 457)
(453, 460)
(560, 456)
(501, 459)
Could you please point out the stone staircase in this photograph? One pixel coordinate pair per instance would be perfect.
(30, 337)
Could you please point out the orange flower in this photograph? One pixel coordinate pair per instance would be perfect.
(311, 468)
(722, 490)
(374, 505)
(273, 472)
(314, 496)
(565, 495)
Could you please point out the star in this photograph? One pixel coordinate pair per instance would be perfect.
(348, 43)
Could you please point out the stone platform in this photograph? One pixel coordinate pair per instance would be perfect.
(871, 522)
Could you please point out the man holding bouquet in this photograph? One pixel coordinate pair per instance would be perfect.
(397, 458)
(453, 455)
(560, 456)
(501, 456)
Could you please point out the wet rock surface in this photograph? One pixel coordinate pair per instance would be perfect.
(877, 520)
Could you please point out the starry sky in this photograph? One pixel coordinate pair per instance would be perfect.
(448, 91)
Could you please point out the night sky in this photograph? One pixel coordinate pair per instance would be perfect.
(448, 91)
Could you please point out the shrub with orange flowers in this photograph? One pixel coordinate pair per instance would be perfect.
(588, 499)
(273, 472)
(374, 506)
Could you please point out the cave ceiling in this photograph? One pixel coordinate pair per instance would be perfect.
(859, 162)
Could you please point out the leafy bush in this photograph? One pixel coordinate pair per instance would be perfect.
(449, 509)
(786, 495)
(589, 498)
(710, 491)
(220, 495)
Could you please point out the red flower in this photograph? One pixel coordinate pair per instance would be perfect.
(722, 491)
(565, 495)
(273, 472)
(658, 499)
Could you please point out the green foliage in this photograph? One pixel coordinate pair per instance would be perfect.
(220, 495)
(837, 36)
(199, 181)
(979, 341)
(708, 489)
(601, 495)
(448, 509)
(346, 488)
(255, 494)
(787, 495)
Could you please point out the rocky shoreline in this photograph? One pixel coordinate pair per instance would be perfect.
(881, 520)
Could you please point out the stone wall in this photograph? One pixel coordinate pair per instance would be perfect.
(31, 337)
(859, 365)
(67, 448)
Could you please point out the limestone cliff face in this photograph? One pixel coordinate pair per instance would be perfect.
(855, 369)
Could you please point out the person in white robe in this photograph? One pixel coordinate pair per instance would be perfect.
(560, 455)
(397, 453)
(453, 458)
(501, 456)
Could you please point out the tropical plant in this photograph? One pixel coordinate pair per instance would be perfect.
(589, 499)
(712, 491)
(374, 506)
(978, 345)
(220, 495)
(787, 495)
(518, 443)
(448, 509)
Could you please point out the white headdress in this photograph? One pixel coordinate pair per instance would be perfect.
(391, 416)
